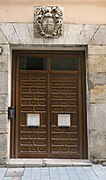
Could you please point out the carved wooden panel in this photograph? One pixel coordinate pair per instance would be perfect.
(54, 97)
(64, 100)
(33, 99)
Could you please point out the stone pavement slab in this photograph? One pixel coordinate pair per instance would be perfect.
(81, 173)
(99, 173)
(72, 173)
(90, 173)
(2, 172)
(53, 172)
(14, 172)
(94, 172)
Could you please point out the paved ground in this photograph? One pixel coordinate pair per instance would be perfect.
(94, 172)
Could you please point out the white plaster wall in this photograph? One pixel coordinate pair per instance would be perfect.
(75, 11)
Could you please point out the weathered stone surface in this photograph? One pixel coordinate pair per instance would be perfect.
(104, 163)
(3, 122)
(72, 33)
(34, 40)
(3, 102)
(97, 63)
(10, 33)
(98, 117)
(86, 34)
(3, 148)
(96, 49)
(60, 40)
(3, 63)
(100, 36)
(47, 41)
(98, 145)
(3, 83)
(98, 94)
(3, 40)
(3, 161)
(98, 131)
(6, 49)
(23, 33)
(97, 79)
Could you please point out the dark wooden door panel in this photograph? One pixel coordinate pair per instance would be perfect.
(33, 100)
(65, 100)
(50, 86)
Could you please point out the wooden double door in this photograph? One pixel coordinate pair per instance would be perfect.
(48, 96)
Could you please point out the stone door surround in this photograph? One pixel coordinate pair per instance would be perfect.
(93, 37)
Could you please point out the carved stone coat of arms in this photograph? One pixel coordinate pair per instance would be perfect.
(48, 21)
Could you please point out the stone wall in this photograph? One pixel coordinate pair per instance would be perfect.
(4, 103)
(20, 36)
(97, 95)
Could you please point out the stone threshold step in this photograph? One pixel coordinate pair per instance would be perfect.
(104, 163)
(47, 162)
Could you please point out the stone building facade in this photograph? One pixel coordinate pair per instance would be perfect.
(90, 38)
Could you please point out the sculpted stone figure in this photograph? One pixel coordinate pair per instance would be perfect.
(48, 21)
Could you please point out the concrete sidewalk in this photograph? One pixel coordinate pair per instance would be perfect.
(94, 172)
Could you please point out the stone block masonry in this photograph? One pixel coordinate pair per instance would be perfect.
(93, 37)
(4, 58)
(97, 96)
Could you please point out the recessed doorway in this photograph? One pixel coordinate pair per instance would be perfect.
(49, 100)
